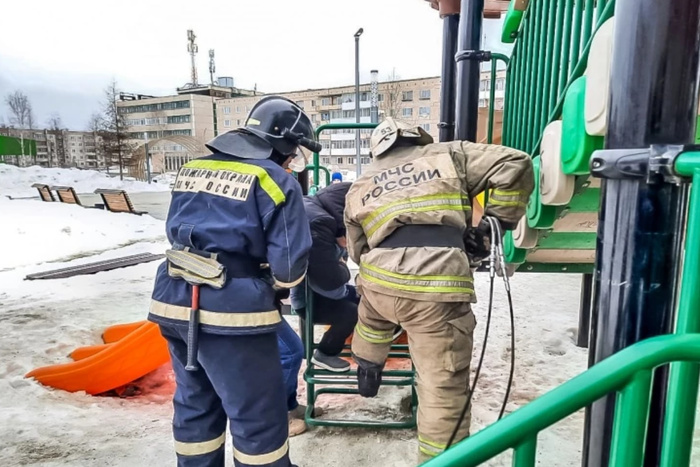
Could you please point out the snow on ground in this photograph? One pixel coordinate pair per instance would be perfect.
(34, 231)
(43, 321)
(17, 181)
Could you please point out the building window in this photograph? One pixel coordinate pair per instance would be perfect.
(326, 101)
(351, 161)
(482, 102)
(425, 126)
(380, 97)
(407, 96)
(424, 112)
(366, 160)
(227, 110)
(181, 118)
(313, 103)
(425, 94)
(238, 109)
(340, 160)
(227, 122)
(326, 160)
(325, 116)
(500, 84)
(407, 112)
(238, 122)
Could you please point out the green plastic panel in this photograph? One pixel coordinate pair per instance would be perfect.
(576, 145)
(539, 216)
(511, 24)
(697, 132)
(513, 255)
(575, 268)
(568, 241)
(13, 146)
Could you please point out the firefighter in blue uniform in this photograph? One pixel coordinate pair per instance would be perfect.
(239, 235)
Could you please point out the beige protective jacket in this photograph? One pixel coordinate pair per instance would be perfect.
(432, 184)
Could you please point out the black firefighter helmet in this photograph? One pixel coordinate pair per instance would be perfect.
(274, 125)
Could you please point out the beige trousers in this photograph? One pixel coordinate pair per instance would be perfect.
(440, 339)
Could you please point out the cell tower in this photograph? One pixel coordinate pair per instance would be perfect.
(212, 66)
(192, 49)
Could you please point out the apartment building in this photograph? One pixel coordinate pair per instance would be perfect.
(189, 115)
(414, 100)
(61, 148)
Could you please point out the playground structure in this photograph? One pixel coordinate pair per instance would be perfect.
(583, 80)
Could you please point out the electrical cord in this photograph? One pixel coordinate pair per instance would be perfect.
(496, 259)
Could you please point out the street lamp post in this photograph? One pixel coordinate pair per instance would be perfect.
(357, 99)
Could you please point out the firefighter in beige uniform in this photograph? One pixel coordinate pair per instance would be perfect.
(407, 221)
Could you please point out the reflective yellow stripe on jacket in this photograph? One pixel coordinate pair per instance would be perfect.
(443, 201)
(517, 198)
(412, 283)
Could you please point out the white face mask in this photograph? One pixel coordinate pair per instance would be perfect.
(300, 161)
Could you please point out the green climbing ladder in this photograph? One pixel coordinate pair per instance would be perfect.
(346, 383)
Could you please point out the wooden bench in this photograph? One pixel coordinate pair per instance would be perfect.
(66, 194)
(44, 192)
(117, 201)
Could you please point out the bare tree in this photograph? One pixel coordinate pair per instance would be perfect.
(392, 105)
(96, 126)
(54, 122)
(115, 128)
(20, 109)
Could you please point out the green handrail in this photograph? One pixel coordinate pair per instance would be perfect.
(628, 371)
(495, 57)
(335, 126)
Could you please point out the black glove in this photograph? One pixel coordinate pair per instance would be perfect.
(352, 295)
(478, 242)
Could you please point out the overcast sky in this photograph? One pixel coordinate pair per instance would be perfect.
(63, 53)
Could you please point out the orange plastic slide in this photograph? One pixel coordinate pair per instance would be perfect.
(130, 351)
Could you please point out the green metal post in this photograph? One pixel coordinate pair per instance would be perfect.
(565, 47)
(526, 453)
(683, 379)
(600, 9)
(533, 83)
(492, 96)
(546, 79)
(525, 97)
(576, 33)
(587, 22)
(557, 52)
(630, 426)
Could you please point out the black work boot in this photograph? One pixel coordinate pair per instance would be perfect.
(369, 376)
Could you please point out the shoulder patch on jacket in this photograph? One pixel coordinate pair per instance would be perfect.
(229, 179)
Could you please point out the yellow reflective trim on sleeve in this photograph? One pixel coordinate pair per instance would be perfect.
(266, 181)
(498, 192)
(261, 459)
(518, 204)
(213, 318)
(289, 285)
(197, 449)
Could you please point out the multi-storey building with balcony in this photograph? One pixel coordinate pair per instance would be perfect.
(414, 100)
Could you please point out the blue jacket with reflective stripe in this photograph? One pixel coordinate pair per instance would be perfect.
(249, 212)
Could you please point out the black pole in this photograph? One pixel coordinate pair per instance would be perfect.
(653, 101)
(584, 314)
(468, 69)
(447, 92)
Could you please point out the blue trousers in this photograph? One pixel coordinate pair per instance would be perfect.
(291, 355)
(239, 380)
